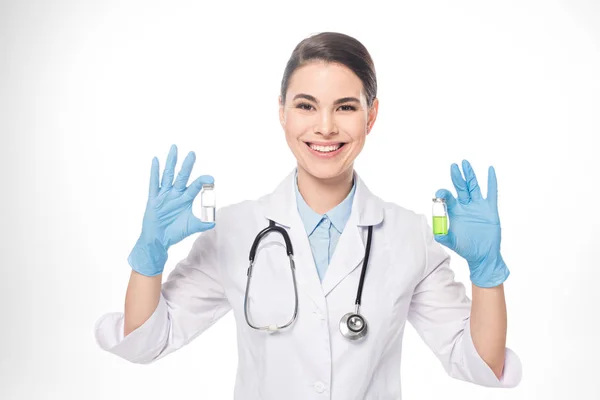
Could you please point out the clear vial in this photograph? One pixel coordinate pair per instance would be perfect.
(208, 203)
(440, 216)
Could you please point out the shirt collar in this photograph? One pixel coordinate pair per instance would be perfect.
(338, 215)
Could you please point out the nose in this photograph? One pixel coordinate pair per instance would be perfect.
(325, 124)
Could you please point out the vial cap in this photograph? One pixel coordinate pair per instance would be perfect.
(208, 186)
(439, 200)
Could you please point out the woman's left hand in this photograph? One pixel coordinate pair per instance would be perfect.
(474, 231)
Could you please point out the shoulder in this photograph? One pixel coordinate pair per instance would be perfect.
(398, 216)
(239, 220)
(253, 210)
(374, 208)
(402, 225)
(238, 210)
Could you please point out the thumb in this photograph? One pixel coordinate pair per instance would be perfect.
(446, 195)
(197, 225)
(196, 186)
(448, 240)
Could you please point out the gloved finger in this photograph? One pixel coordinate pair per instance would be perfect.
(169, 173)
(193, 190)
(196, 225)
(460, 184)
(472, 184)
(448, 240)
(153, 189)
(450, 200)
(492, 192)
(185, 172)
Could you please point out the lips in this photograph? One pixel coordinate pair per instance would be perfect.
(325, 147)
(325, 150)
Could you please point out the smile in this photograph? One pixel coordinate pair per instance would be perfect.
(325, 151)
(325, 148)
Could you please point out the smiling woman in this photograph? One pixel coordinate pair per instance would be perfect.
(297, 329)
(328, 106)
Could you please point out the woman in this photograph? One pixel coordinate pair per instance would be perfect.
(328, 106)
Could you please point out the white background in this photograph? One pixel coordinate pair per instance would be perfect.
(91, 91)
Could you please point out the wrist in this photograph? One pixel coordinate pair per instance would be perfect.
(492, 271)
(148, 257)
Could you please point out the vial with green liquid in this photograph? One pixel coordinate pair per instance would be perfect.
(440, 216)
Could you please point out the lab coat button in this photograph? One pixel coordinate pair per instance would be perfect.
(319, 387)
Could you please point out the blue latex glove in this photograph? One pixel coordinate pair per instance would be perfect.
(474, 232)
(168, 218)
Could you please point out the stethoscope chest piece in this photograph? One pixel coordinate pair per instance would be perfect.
(353, 326)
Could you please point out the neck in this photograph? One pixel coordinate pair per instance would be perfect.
(324, 194)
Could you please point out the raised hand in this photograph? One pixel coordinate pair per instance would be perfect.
(168, 218)
(474, 231)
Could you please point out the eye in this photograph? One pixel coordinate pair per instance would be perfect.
(303, 106)
(348, 107)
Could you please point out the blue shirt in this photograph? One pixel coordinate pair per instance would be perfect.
(325, 230)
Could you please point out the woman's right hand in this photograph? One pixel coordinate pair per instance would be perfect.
(168, 218)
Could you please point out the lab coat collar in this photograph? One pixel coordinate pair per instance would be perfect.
(280, 205)
(367, 209)
(338, 215)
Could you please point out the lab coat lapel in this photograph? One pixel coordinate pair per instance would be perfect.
(280, 206)
(367, 209)
(347, 256)
(306, 269)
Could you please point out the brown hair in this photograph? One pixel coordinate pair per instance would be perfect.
(333, 47)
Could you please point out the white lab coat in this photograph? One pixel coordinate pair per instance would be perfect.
(408, 279)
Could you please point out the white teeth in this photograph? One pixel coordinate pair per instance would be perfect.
(325, 149)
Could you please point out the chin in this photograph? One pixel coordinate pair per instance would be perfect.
(323, 171)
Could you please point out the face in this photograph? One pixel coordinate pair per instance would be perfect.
(326, 118)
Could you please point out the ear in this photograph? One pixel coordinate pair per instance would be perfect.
(281, 112)
(372, 115)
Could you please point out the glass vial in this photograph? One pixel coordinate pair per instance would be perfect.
(440, 216)
(208, 203)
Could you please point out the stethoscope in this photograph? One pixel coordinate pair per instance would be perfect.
(352, 325)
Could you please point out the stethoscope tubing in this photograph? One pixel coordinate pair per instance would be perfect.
(345, 325)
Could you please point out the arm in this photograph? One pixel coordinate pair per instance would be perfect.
(441, 313)
(190, 301)
(488, 325)
(141, 299)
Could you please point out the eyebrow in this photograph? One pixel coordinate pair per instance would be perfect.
(312, 98)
